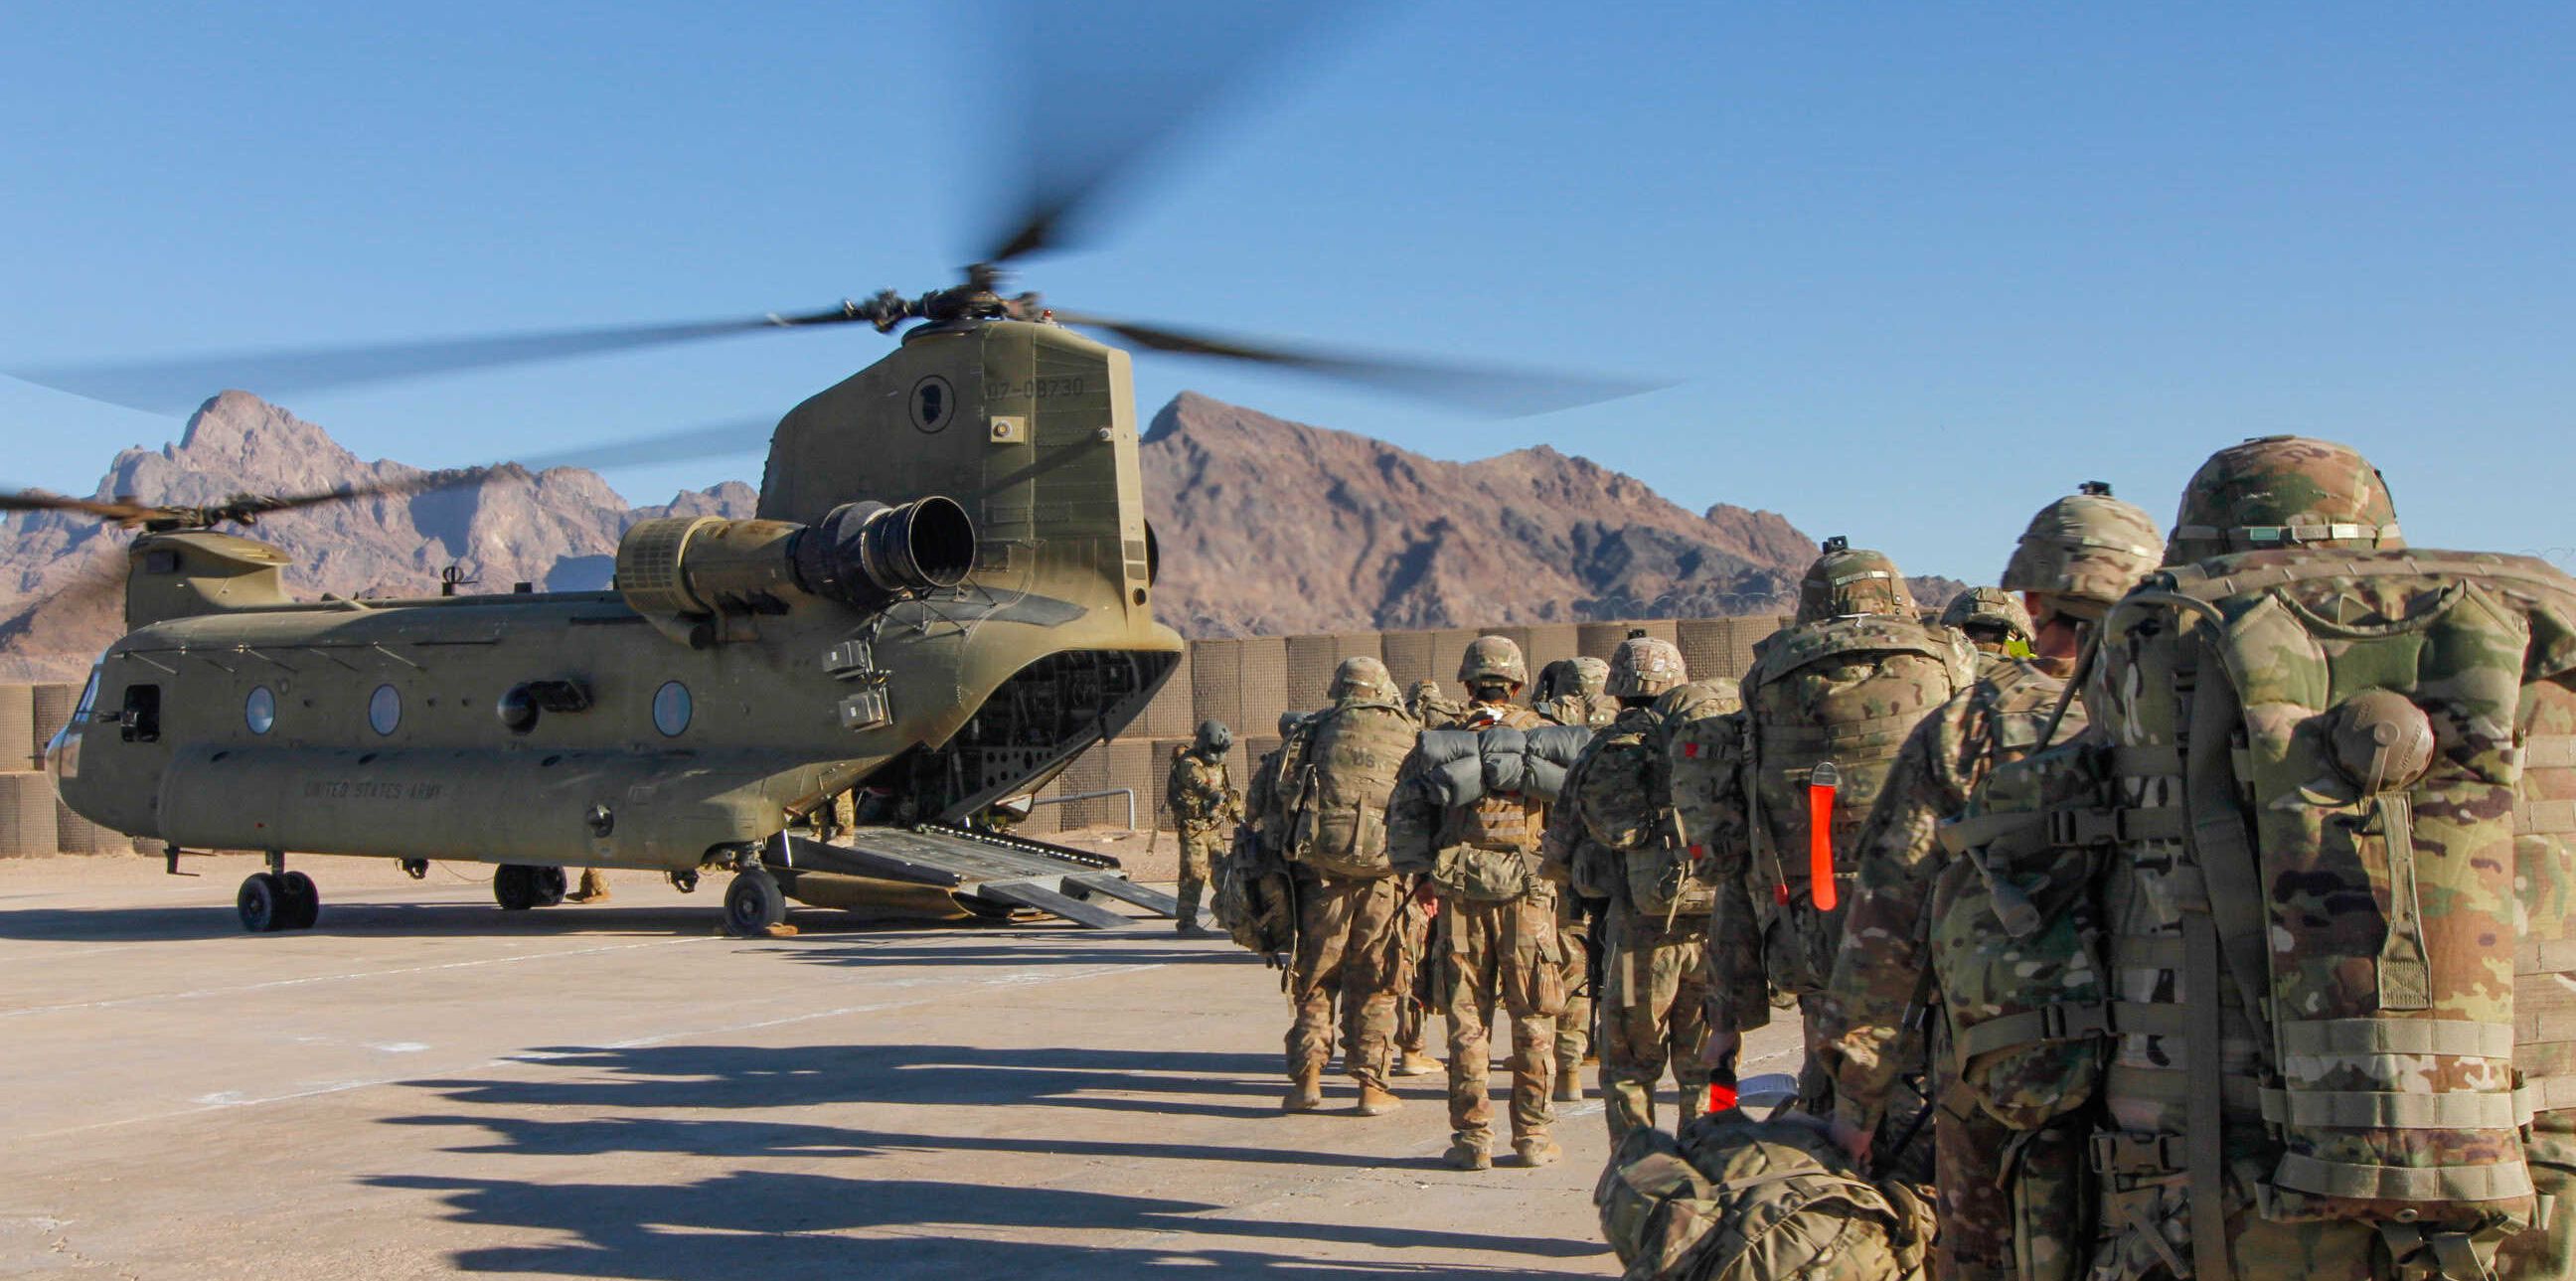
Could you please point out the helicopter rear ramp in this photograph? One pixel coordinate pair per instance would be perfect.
(979, 873)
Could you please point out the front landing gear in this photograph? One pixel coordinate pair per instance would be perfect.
(754, 902)
(278, 899)
(519, 886)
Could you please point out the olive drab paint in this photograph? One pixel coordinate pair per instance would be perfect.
(791, 696)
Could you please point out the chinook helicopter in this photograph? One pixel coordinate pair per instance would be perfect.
(945, 596)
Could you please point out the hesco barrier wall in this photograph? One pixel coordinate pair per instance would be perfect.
(34, 822)
(1247, 683)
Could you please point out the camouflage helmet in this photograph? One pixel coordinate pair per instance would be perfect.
(1848, 580)
(1643, 667)
(1492, 658)
(1591, 676)
(1989, 608)
(1363, 677)
(2283, 491)
(1214, 739)
(2088, 546)
(1288, 722)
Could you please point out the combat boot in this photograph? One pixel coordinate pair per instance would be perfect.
(1467, 1154)
(1536, 1150)
(1190, 928)
(1376, 1101)
(1414, 1063)
(1569, 1083)
(1305, 1093)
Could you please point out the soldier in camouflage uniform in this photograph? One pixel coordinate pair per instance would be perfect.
(1576, 697)
(1995, 620)
(1495, 934)
(1775, 813)
(1653, 995)
(1424, 702)
(1204, 806)
(1350, 944)
(2080, 554)
(1570, 692)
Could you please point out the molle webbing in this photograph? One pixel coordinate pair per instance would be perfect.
(1841, 736)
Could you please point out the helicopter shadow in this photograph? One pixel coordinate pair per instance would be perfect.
(648, 1107)
(468, 920)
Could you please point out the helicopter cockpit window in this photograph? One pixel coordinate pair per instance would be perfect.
(671, 708)
(141, 716)
(384, 709)
(260, 709)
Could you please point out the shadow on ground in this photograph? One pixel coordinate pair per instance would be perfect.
(658, 1100)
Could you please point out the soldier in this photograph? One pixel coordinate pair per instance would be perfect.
(2319, 833)
(1476, 850)
(1203, 804)
(1778, 814)
(1653, 992)
(1576, 697)
(1993, 620)
(1350, 942)
(1424, 702)
(593, 889)
(1255, 899)
(2079, 555)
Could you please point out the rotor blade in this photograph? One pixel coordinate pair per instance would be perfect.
(734, 436)
(182, 383)
(1491, 389)
(1101, 94)
(37, 500)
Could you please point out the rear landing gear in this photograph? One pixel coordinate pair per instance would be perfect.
(685, 880)
(519, 886)
(277, 900)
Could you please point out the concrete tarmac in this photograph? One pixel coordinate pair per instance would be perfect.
(424, 1085)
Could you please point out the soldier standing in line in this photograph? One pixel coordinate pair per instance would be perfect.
(1827, 703)
(1995, 620)
(1497, 944)
(2319, 837)
(1350, 942)
(1575, 696)
(1424, 702)
(2078, 556)
(1203, 804)
(1653, 993)
(1570, 693)
(593, 888)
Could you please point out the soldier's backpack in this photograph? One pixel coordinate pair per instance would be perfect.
(1253, 901)
(1827, 705)
(2309, 836)
(1622, 792)
(1341, 784)
(1735, 1199)
(1498, 777)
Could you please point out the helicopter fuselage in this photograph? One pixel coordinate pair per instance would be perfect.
(739, 674)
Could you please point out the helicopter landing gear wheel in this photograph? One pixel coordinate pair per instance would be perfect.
(303, 901)
(685, 881)
(519, 886)
(753, 903)
(262, 903)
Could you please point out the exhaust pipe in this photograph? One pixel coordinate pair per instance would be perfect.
(868, 554)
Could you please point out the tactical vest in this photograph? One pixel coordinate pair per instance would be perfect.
(2315, 793)
(1342, 781)
(1844, 691)
(1622, 792)
(1487, 845)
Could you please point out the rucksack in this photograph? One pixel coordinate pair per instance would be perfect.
(1736, 1199)
(1827, 705)
(2310, 834)
(1621, 790)
(1340, 787)
(1253, 901)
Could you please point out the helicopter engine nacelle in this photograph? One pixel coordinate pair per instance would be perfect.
(864, 555)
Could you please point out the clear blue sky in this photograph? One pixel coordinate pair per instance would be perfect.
(1914, 269)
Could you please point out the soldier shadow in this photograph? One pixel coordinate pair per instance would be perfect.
(1019, 947)
(480, 920)
(654, 1103)
(758, 1223)
(701, 1077)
